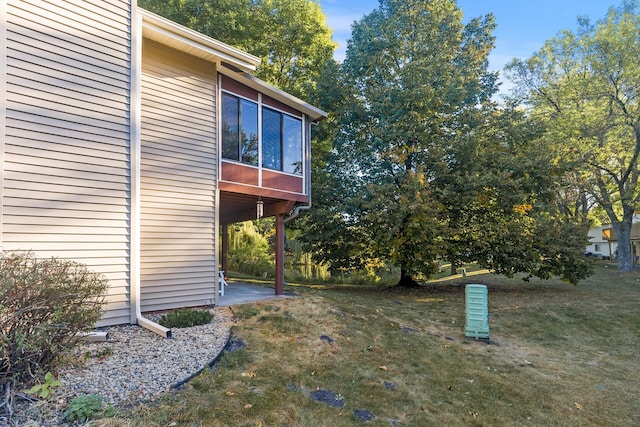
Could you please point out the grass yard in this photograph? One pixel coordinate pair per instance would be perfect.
(560, 355)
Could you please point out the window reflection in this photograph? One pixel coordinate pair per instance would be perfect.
(239, 130)
(292, 141)
(230, 127)
(271, 141)
(281, 135)
(249, 136)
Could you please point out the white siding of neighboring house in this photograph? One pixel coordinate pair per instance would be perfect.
(597, 245)
(177, 179)
(65, 187)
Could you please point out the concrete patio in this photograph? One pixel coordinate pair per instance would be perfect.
(243, 293)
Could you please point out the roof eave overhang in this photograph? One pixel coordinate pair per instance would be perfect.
(230, 61)
(169, 33)
(255, 83)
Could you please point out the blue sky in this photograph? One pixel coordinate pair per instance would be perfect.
(522, 25)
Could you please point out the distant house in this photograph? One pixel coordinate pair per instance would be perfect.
(598, 246)
(128, 140)
(603, 240)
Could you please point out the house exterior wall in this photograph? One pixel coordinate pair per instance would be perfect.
(598, 246)
(65, 179)
(603, 240)
(177, 179)
(108, 147)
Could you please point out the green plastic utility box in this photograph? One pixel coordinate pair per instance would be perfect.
(477, 309)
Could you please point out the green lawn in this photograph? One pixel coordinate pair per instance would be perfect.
(560, 355)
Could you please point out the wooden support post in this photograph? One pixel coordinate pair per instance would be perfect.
(224, 247)
(279, 254)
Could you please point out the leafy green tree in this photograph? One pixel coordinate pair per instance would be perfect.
(249, 250)
(500, 195)
(295, 45)
(226, 20)
(291, 36)
(426, 166)
(586, 87)
(415, 73)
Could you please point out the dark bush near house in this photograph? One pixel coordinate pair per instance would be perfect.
(185, 318)
(44, 306)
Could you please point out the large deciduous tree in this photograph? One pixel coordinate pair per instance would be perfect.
(500, 194)
(295, 45)
(426, 166)
(586, 87)
(416, 75)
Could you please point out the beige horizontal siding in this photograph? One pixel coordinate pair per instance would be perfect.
(86, 21)
(25, 137)
(162, 120)
(29, 119)
(97, 188)
(66, 187)
(54, 77)
(177, 184)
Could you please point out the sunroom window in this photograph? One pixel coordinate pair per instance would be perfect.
(239, 129)
(281, 142)
(281, 135)
(292, 141)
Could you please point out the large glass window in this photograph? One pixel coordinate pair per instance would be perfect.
(292, 142)
(281, 142)
(239, 129)
(281, 135)
(271, 139)
(230, 128)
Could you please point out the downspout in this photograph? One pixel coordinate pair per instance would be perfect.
(135, 314)
(307, 183)
(296, 211)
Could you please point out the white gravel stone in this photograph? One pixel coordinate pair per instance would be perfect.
(138, 364)
(135, 365)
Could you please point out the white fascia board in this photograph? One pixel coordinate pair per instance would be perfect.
(180, 37)
(275, 93)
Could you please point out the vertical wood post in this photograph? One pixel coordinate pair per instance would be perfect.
(224, 247)
(279, 254)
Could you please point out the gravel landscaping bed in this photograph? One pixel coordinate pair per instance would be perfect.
(132, 366)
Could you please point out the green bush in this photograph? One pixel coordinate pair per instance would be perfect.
(45, 388)
(44, 305)
(185, 318)
(84, 408)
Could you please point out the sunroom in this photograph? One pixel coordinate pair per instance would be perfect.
(265, 156)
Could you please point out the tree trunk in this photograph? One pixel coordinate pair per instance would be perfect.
(406, 280)
(625, 255)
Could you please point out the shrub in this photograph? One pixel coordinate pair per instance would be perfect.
(44, 389)
(185, 318)
(84, 408)
(44, 305)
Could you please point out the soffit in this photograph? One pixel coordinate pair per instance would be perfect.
(176, 36)
(232, 61)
